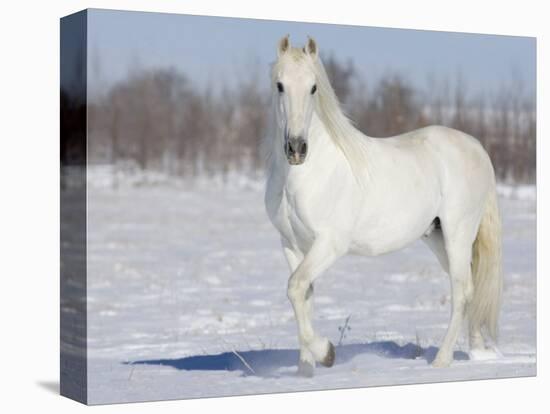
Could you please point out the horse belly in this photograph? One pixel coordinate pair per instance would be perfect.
(374, 243)
(386, 228)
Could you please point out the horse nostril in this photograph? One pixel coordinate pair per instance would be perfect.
(296, 146)
(289, 148)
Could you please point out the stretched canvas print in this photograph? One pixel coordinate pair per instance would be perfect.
(253, 206)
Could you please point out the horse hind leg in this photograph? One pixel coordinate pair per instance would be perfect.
(458, 237)
(435, 241)
(478, 347)
(477, 343)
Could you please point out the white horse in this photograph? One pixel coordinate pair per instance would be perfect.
(331, 191)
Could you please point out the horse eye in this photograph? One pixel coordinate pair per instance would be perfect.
(313, 89)
(280, 87)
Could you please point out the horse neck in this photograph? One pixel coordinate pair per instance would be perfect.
(319, 139)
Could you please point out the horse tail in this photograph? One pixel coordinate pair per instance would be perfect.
(484, 309)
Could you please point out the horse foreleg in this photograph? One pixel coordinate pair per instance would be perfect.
(322, 254)
(294, 257)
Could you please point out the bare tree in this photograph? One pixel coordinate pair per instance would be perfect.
(159, 120)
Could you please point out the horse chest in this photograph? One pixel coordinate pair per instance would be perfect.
(290, 217)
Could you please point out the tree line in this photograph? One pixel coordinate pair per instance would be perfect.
(159, 120)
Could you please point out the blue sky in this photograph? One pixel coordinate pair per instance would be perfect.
(217, 50)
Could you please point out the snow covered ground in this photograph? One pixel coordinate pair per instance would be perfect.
(187, 298)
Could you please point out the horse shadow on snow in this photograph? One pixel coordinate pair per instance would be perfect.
(266, 362)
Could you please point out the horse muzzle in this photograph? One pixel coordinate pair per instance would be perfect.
(296, 150)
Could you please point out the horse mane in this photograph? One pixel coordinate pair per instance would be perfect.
(340, 128)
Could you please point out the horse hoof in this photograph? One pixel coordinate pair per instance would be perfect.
(328, 360)
(305, 369)
(441, 361)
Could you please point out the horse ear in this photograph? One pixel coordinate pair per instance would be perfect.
(311, 47)
(284, 45)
